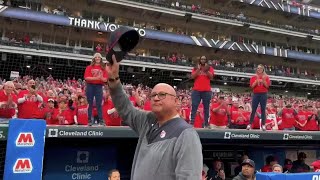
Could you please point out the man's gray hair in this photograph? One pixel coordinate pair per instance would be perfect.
(277, 165)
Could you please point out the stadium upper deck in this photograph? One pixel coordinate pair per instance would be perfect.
(105, 26)
(215, 25)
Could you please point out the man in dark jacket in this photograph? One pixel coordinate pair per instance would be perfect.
(299, 166)
(248, 171)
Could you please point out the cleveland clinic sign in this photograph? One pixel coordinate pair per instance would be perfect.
(99, 26)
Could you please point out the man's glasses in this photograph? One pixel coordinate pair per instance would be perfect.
(161, 95)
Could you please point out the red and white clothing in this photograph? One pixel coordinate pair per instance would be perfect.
(133, 101)
(256, 120)
(95, 71)
(147, 105)
(63, 117)
(202, 81)
(49, 115)
(240, 117)
(6, 110)
(185, 111)
(312, 123)
(259, 88)
(302, 118)
(271, 119)
(28, 107)
(266, 168)
(82, 114)
(219, 118)
(198, 121)
(288, 118)
(110, 114)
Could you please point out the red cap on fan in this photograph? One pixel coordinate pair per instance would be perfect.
(316, 165)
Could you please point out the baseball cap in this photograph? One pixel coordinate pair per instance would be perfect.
(248, 162)
(121, 41)
(50, 100)
(316, 164)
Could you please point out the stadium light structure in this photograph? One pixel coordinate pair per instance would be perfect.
(28, 66)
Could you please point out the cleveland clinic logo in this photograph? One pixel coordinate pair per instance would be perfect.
(285, 136)
(53, 133)
(82, 157)
(227, 135)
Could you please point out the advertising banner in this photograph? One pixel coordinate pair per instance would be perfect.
(79, 163)
(25, 149)
(292, 176)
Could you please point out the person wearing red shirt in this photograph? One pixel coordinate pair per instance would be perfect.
(134, 97)
(301, 119)
(257, 119)
(113, 118)
(220, 116)
(271, 121)
(259, 83)
(63, 115)
(239, 118)
(82, 111)
(29, 101)
(313, 119)
(198, 121)
(8, 101)
(49, 110)
(288, 116)
(185, 109)
(147, 104)
(95, 76)
(270, 161)
(202, 74)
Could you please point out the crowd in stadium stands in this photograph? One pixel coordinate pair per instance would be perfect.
(180, 59)
(228, 15)
(63, 102)
(59, 10)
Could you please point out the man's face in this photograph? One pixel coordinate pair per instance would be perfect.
(163, 100)
(247, 170)
(184, 102)
(221, 99)
(115, 176)
(51, 104)
(8, 89)
(277, 170)
(31, 83)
